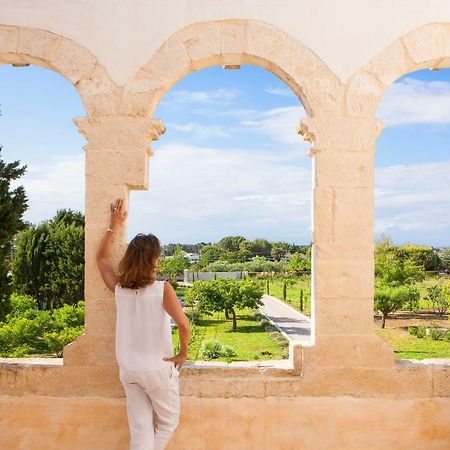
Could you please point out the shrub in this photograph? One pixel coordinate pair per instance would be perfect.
(421, 332)
(21, 303)
(228, 351)
(29, 330)
(413, 331)
(211, 350)
(56, 341)
(447, 335)
(436, 334)
(69, 316)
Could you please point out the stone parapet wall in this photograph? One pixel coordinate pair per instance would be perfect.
(270, 423)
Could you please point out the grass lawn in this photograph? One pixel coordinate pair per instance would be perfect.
(407, 346)
(293, 293)
(250, 340)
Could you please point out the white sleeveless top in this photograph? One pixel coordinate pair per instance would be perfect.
(143, 332)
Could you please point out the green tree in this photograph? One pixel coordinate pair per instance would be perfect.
(440, 298)
(226, 295)
(29, 266)
(390, 299)
(419, 255)
(174, 265)
(261, 264)
(299, 262)
(65, 263)
(48, 261)
(209, 254)
(68, 217)
(13, 204)
(279, 250)
(393, 270)
(231, 243)
(236, 256)
(444, 257)
(257, 247)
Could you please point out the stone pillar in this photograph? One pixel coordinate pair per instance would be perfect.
(343, 243)
(116, 161)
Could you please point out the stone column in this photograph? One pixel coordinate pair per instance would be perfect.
(343, 243)
(116, 161)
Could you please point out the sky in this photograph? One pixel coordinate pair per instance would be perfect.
(231, 161)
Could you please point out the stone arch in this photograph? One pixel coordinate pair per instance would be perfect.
(235, 42)
(23, 45)
(425, 47)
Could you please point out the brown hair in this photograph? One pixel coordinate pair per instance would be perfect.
(137, 267)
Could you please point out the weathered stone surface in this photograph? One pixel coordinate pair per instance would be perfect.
(201, 42)
(168, 63)
(73, 61)
(79, 352)
(377, 353)
(39, 44)
(339, 350)
(239, 424)
(232, 35)
(428, 42)
(363, 94)
(101, 97)
(265, 41)
(350, 134)
(343, 278)
(9, 37)
(344, 169)
(393, 62)
(348, 315)
(441, 381)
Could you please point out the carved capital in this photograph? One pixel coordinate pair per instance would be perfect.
(119, 132)
(350, 134)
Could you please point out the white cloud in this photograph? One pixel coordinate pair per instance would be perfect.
(221, 96)
(411, 202)
(201, 193)
(279, 124)
(57, 184)
(198, 130)
(413, 101)
(282, 91)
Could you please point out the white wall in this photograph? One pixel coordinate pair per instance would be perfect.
(123, 34)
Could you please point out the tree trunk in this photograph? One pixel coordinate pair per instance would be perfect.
(383, 319)
(227, 314)
(234, 319)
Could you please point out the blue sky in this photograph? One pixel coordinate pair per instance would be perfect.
(231, 161)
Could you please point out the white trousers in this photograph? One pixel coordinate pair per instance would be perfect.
(153, 406)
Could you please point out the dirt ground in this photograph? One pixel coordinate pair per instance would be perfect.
(404, 319)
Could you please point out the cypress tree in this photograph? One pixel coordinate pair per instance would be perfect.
(13, 204)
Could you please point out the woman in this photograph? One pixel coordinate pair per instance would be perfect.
(148, 370)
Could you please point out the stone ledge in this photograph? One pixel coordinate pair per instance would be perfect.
(404, 380)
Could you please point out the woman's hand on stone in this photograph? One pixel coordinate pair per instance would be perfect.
(178, 360)
(118, 214)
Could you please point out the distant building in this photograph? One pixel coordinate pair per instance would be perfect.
(193, 257)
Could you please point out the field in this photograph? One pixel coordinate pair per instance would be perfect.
(251, 341)
(293, 292)
(396, 332)
(407, 346)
